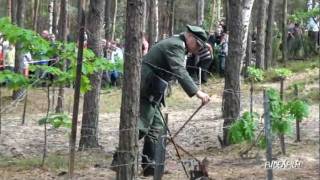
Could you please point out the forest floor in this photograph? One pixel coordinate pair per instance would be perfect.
(21, 146)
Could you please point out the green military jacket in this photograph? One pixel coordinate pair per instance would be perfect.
(166, 59)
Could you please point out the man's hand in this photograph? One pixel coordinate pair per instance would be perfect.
(205, 98)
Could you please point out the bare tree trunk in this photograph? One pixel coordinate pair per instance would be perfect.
(35, 15)
(144, 17)
(55, 16)
(219, 9)
(164, 18)
(45, 143)
(269, 35)
(90, 118)
(108, 20)
(213, 15)
(76, 97)
(156, 20)
(18, 56)
(200, 12)
(114, 19)
(284, 31)
(313, 3)
(81, 5)
(227, 13)
(9, 8)
(63, 32)
(261, 33)
(248, 57)
(240, 18)
(128, 140)
(153, 22)
(50, 10)
(14, 11)
(171, 17)
(21, 8)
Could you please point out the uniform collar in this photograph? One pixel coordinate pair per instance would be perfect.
(183, 38)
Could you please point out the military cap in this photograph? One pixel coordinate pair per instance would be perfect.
(199, 33)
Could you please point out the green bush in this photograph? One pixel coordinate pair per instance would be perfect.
(281, 118)
(255, 74)
(243, 129)
(57, 120)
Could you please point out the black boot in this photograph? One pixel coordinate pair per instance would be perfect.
(148, 163)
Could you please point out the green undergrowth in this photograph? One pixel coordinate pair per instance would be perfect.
(296, 66)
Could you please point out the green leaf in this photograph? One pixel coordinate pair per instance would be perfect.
(57, 120)
(244, 128)
(283, 72)
(299, 109)
(255, 74)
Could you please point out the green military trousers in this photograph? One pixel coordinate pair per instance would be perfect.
(150, 122)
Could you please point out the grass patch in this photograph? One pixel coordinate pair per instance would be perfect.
(303, 66)
(27, 163)
(294, 66)
(55, 162)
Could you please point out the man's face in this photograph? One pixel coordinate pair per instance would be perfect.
(193, 44)
(45, 34)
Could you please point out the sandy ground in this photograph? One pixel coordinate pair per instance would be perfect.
(20, 144)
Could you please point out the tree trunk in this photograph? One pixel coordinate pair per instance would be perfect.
(81, 5)
(165, 18)
(248, 56)
(284, 31)
(200, 12)
(219, 9)
(313, 3)
(35, 15)
(50, 11)
(14, 11)
(269, 35)
(213, 15)
(9, 8)
(171, 17)
(240, 18)
(20, 13)
(153, 22)
(261, 33)
(56, 12)
(144, 17)
(89, 128)
(18, 56)
(128, 140)
(156, 19)
(226, 11)
(108, 20)
(114, 16)
(63, 32)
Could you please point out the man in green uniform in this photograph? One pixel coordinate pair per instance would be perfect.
(163, 62)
